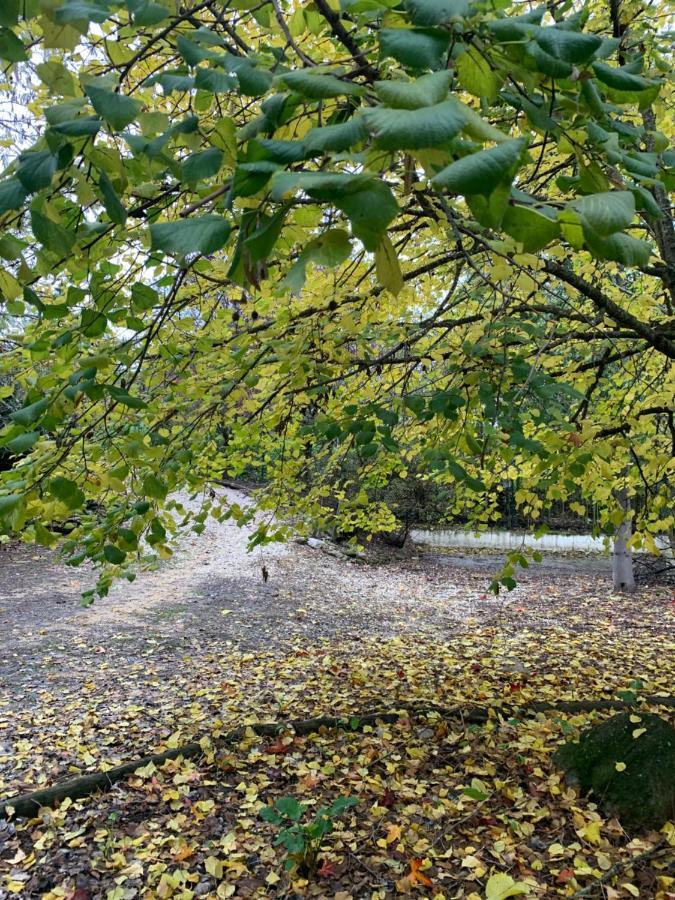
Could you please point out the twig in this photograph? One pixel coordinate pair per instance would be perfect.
(619, 867)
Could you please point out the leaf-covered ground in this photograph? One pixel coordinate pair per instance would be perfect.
(444, 808)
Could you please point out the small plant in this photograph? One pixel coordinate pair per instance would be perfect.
(302, 840)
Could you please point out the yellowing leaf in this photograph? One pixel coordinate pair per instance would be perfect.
(501, 886)
(213, 866)
(591, 832)
(638, 731)
(387, 266)
(620, 766)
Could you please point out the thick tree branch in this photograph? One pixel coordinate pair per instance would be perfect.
(657, 340)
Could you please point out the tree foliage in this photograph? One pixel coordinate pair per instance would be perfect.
(432, 233)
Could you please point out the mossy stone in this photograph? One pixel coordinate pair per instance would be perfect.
(641, 795)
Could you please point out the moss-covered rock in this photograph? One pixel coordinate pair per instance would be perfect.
(628, 762)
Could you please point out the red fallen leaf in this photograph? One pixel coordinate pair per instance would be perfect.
(564, 875)
(327, 869)
(487, 820)
(278, 747)
(388, 798)
(475, 667)
(417, 877)
(515, 686)
(79, 894)
(401, 673)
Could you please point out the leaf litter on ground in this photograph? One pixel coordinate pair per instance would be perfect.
(444, 808)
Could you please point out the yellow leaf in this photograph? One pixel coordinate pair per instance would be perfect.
(272, 878)
(620, 766)
(387, 266)
(592, 832)
(501, 886)
(638, 732)
(627, 886)
(213, 866)
(393, 834)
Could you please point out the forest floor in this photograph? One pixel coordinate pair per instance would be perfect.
(203, 644)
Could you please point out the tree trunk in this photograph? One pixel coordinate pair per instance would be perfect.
(622, 555)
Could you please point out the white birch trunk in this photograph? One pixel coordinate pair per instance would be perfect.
(622, 555)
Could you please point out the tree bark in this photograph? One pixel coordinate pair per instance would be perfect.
(622, 555)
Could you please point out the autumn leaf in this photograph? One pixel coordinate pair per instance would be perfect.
(415, 876)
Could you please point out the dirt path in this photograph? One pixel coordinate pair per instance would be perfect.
(212, 594)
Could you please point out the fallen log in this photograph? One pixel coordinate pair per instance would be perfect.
(28, 805)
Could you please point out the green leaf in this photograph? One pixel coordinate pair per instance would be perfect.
(66, 491)
(9, 502)
(415, 48)
(200, 234)
(621, 79)
(202, 165)
(424, 91)
(117, 110)
(369, 211)
(437, 12)
(143, 297)
(9, 12)
(213, 80)
(23, 442)
(573, 47)
(29, 414)
(82, 11)
(481, 172)
(85, 126)
(607, 212)
(537, 59)
(12, 194)
(113, 206)
(403, 129)
(319, 87)
(269, 814)
(36, 169)
(53, 236)
(474, 793)
(621, 248)
(253, 81)
(477, 76)
(146, 12)
(337, 138)
(387, 266)
(320, 185)
(93, 323)
(11, 47)
(173, 81)
(531, 228)
(113, 554)
(289, 806)
(57, 77)
(122, 396)
(329, 249)
(154, 487)
(366, 201)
